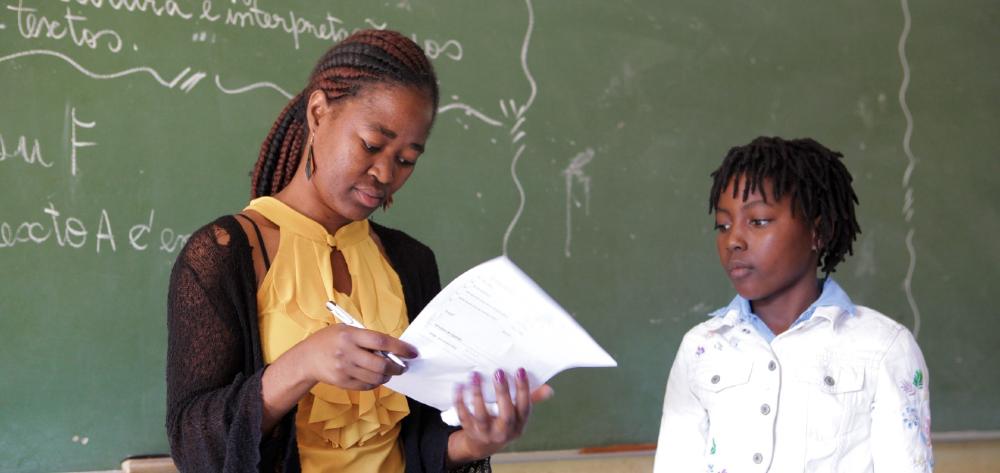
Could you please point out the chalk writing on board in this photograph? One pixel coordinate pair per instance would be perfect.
(76, 143)
(32, 25)
(911, 163)
(52, 226)
(70, 24)
(30, 154)
(242, 14)
(574, 173)
(520, 115)
(168, 8)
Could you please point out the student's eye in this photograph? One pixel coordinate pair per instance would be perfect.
(405, 163)
(759, 222)
(370, 148)
(721, 227)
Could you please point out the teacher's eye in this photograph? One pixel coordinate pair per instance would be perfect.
(405, 162)
(759, 222)
(721, 227)
(370, 148)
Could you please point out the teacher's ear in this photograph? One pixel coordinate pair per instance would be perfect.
(317, 107)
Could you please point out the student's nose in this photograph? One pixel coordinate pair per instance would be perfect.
(735, 240)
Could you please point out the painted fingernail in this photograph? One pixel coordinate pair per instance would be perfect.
(476, 378)
(500, 377)
(522, 374)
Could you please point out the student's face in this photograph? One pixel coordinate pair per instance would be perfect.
(764, 247)
(365, 147)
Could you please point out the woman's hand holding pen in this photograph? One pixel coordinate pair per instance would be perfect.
(347, 357)
(338, 355)
(484, 433)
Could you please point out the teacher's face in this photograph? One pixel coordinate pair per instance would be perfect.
(366, 146)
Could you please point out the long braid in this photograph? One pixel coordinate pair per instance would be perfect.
(813, 176)
(366, 57)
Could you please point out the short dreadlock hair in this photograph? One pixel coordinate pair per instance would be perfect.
(815, 178)
(364, 58)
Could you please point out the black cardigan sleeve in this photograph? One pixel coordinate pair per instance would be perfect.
(214, 406)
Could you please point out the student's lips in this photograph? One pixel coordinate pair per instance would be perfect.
(739, 270)
(369, 197)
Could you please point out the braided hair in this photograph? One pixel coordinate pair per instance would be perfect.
(364, 58)
(815, 178)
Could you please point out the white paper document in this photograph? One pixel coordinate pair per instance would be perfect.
(491, 317)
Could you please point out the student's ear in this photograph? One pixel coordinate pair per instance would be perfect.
(817, 240)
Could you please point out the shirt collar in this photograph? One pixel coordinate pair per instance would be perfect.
(831, 304)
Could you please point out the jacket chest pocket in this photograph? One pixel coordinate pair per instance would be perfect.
(837, 403)
(715, 381)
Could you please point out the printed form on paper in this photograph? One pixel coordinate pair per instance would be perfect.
(491, 317)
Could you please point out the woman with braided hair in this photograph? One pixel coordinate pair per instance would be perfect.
(260, 377)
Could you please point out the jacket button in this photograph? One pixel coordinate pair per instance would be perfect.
(772, 365)
(829, 381)
(765, 409)
(757, 458)
(715, 379)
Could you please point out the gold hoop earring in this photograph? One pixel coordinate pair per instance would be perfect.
(309, 159)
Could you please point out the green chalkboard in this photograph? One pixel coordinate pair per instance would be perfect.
(577, 136)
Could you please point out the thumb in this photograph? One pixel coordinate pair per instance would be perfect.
(542, 393)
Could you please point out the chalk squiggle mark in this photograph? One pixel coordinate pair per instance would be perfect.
(249, 87)
(575, 172)
(520, 190)
(87, 72)
(911, 163)
(192, 81)
(524, 60)
(469, 111)
(520, 115)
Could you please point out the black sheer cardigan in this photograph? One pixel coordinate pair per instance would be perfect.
(214, 361)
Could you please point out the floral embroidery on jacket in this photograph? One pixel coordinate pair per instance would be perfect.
(907, 387)
(911, 418)
(925, 431)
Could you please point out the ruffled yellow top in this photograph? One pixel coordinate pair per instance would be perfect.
(337, 430)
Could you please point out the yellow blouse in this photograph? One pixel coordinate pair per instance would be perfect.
(337, 430)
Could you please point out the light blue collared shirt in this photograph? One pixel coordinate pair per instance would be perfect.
(832, 295)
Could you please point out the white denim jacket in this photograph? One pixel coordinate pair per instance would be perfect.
(845, 389)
